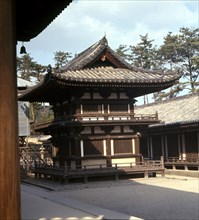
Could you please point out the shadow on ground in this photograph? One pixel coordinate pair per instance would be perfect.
(153, 198)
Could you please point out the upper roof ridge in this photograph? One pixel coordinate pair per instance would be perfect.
(104, 41)
(101, 49)
(80, 60)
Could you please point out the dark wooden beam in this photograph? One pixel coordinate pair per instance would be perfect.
(9, 150)
(33, 16)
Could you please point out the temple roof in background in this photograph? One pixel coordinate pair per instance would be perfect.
(182, 109)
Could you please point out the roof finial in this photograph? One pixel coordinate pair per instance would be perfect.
(104, 40)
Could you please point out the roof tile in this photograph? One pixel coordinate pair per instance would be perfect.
(182, 108)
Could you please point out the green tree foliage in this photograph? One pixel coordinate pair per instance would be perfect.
(61, 58)
(181, 52)
(122, 51)
(28, 69)
(144, 54)
(31, 71)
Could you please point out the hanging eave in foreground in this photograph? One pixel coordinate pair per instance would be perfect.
(33, 16)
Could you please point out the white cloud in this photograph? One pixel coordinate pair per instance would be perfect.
(84, 22)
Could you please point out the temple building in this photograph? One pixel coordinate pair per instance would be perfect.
(93, 99)
(177, 136)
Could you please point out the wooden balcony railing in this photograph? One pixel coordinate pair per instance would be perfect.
(108, 117)
(64, 173)
(186, 163)
(103, 117)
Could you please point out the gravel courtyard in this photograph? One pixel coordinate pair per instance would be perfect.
(169, 197)
(153, 198)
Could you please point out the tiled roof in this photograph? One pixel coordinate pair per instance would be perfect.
(111, 74)
(100, 66)
(81, 68)
(88, 55)
(179, 109)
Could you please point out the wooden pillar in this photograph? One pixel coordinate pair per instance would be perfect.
(148, 146)
(9, 149)
(183, 147)
(198, 142)
(131, 110)
(151, 147)
(179, 146)
(162, 143)
(166, 146)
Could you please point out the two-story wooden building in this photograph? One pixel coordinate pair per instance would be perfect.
(93, 100)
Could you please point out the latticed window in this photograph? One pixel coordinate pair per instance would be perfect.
(93, 147)
(92, 108)
(118, 108)
(123, 146)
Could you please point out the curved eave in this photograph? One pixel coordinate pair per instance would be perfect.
(39, 92)
(112, 81)
(84, 58)
(109, 74)
(176, 125)
(100, 77)
(47, 127)
(117, 83)
(53, 88)
(33, 16)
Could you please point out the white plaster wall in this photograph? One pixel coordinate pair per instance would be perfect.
(96, 95)
(123, 95)
(122, 162)
(93, 163)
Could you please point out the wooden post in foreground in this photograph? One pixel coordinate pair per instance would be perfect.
(9, 150)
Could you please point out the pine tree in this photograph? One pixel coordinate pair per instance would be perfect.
(122, 51)
(180, 52)
(144, 54)
(28, 69)
(61, 58)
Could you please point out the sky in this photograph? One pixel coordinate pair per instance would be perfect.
(84, 22)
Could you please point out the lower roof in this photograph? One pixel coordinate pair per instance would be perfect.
(177, 111)
(137, 82)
